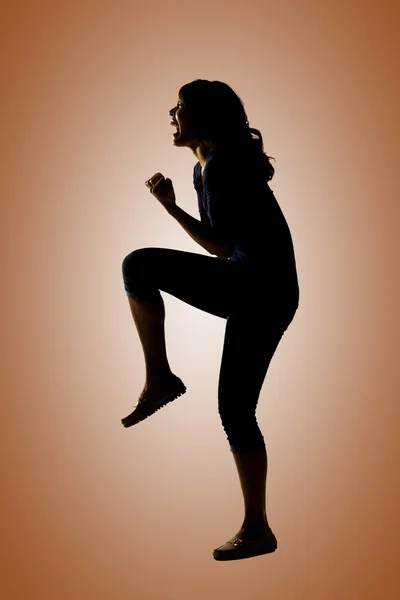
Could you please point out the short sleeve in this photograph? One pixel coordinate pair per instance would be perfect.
(196, 177)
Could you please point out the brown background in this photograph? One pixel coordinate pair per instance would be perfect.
(93, 511)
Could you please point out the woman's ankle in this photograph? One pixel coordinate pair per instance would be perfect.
(157, 379)
(255, 525)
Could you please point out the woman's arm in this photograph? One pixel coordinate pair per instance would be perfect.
(201, 234)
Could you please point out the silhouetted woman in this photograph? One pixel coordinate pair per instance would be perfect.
(250, 280)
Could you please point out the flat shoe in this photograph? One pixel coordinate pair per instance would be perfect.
(145, 408)
(236, 548)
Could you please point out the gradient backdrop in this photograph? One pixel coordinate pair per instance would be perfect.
(93, 511)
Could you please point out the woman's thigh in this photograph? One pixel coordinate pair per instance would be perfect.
(208, 283)
(252, 336)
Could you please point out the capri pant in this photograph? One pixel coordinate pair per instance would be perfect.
(255, 324)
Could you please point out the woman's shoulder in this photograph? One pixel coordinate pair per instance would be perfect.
(230, 169)
(242, 172)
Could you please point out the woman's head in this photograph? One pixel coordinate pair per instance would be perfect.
(218, 119)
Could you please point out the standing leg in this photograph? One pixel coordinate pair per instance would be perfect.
(249, 345)
(255, 537)
(252, 470)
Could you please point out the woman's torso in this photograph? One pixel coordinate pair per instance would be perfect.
(255, 222)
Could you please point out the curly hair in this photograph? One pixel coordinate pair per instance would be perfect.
(221, 121)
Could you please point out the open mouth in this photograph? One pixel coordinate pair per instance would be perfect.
(175, 124)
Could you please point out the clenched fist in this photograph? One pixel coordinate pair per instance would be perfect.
(162, 189)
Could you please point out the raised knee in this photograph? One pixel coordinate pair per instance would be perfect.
(133, 260)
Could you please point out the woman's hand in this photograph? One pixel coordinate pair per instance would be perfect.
(162, 189)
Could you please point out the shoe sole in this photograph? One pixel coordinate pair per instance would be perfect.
(227, 555)
(138, 415)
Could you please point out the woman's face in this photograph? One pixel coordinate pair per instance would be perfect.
(184, 122)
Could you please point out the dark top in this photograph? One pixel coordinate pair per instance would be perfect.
(243, 209)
